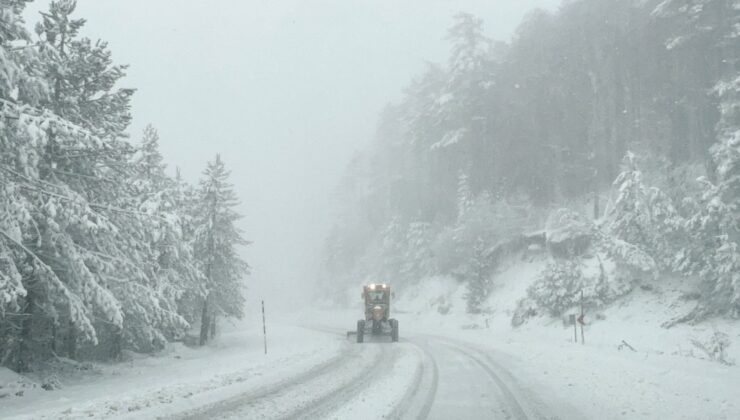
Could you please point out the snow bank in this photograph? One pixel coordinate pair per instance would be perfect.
(14, 385)
(630, 367)
(178, 378)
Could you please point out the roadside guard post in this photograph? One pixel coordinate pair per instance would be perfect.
(581, 321)
(572, 321)
(264, 327)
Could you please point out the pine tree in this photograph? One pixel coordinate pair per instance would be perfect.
(477, 272)
(81, 247)
(82, 74)
(630, 218)
(713, 252)
(695, 19)
(96, 241)
(217, 242)
(462, 103)
(393, 239)
(645, 218)
(558, 287)
(184, 198)
(726, 152)
(418, 261)
(149, 157)
(169, 261)
(464, 195)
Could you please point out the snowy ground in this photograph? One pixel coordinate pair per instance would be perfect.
(446, 366)
(180, 379)
(667, 376)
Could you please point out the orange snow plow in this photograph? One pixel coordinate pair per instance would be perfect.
(377, 322)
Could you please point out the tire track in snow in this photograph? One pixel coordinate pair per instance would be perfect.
(521, 402)
(311, 394)
(418, 399)
(235, 403)
(414, 403)
(416, 395)
(322, 406)
(516, 410)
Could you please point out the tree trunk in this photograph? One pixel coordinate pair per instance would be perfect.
(71, 341)
(53, 343)
(213, 326)
(24, 350)
(597, 210)
(204, 323)
(116, 344)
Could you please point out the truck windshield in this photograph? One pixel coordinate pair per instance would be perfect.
(376, 296)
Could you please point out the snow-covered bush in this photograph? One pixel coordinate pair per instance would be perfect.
(568, 234)
(525, 309)
(715, 347)
(558, 287)
(632, 262)
(563, 283)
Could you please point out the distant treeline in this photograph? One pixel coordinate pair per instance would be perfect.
(100, 250)
(482, 147)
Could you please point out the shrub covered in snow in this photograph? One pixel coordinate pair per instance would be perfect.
(567, 233)
(558, 287)
(715, 348)
(563, 283)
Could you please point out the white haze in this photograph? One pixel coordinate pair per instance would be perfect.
(286, 91)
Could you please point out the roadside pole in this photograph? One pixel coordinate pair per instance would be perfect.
(581, 321)
(264, 325)
(572, 320)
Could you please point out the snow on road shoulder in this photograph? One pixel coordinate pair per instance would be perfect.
(667, 376)
(182, 378)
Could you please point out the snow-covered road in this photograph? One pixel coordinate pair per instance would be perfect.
(436, 371)
(313, 393)
(473, 386)
(419, 377)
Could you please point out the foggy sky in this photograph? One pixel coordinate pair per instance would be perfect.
(285, 90)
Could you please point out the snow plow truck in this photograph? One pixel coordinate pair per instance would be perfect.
(377, 321)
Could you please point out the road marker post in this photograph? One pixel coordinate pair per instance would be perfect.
(264, 325)
(572, 321)
(581, 321)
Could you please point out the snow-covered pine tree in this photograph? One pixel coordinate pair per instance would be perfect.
(217, 243)
(713, 252)
(58, 284)
(84, 156)
(86, 235)
(477, 271)
(13, 209)
(558, 287)
(462, 103)
(693, 20)
(393, 239)
(644, 217)
(726, 152)
(464, 194)
(630, 217)
(82, 76)
(169, 261)
(149, 159)
(184, 198)
(418, 260)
